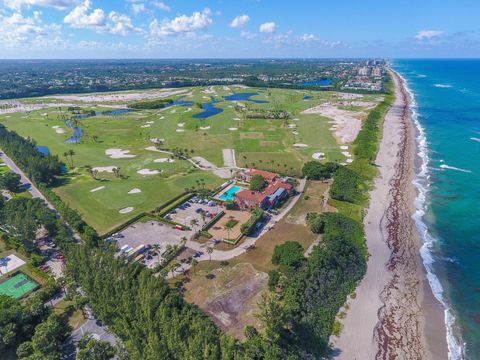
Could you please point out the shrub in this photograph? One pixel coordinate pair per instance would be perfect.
(289, 254)
(315, 170)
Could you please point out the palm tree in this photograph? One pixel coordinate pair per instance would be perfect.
(116, 171)
(90, 171)
(194, 264)
(71, 153)
(229, 226)
(210, 251)
(194, 224)
(184, 241)
(157, 248)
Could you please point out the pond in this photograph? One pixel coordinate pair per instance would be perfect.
(306, 98)
(245, 97)
(78, 131)
(43, 149)
(319, 82)
(209, 109)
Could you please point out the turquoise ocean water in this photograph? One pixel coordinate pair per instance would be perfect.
(446, 108)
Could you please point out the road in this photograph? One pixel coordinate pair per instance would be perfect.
(24, 179)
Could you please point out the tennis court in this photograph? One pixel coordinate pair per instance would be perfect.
(17, 286)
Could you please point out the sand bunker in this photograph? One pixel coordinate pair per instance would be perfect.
(180, 130)
(104, 168)
(97, 189)
(126, 210)
(58, 129)
(346, 153)
(300, 145)
(233, 129)
(157, 140)
(173, 111)
(318, 156)
(292, 126)
(135, 191)
(181, 124)
(204, 127)
(344, 147)
(296, 119)
(349, 161)
(149, 122)
(152, 148)
(164, 160)
(145, 126)
(119, 154)
(148, 172)
(237, 119)
(347, 123)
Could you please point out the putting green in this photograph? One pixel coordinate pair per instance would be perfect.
(18, 286)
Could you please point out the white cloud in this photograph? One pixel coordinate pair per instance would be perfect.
(17, 31)
(240, 21)
(181, 24)
(161, 5)
(248, 35)
(79, 17)
(114, 23)
(138, 8)
(58, 4)
(268, 27)
(428, 35)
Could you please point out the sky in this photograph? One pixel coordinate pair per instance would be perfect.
(239, 29)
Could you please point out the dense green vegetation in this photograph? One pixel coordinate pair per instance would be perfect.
(10, 181)
(257, 183)
(348, 186)
(289, 254)
(151, 104)
(39, 167)
(314, 170)
(248, 227)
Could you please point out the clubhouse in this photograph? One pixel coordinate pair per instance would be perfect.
(277, 190)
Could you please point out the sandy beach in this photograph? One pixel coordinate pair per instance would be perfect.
(394, 314)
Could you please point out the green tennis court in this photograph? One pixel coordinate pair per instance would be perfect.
(17, 286)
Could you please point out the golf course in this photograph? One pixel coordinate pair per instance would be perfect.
(121, 162)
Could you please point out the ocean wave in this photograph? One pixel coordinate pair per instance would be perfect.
(443, 86)
(475, 139)
(421, 76)
(422, 183)
(445, 166)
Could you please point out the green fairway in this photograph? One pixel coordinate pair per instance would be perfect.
(17, 286)
(265, 143)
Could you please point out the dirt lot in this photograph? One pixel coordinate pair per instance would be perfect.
(219, 232)
(231, 297)
(314, 199)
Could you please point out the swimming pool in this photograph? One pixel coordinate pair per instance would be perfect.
(230, 193)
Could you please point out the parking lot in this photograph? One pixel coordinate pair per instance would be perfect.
(202, 212)
(150, 233)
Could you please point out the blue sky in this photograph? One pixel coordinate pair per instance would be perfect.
(238, 29)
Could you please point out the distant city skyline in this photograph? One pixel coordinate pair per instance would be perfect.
(244, 29)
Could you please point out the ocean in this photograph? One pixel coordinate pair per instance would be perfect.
(446, 109)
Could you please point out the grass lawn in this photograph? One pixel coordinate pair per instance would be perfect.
(75, 320)
(262, 143)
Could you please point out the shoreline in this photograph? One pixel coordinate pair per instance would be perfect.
(388, 317)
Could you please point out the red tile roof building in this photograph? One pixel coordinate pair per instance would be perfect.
(276, 190)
